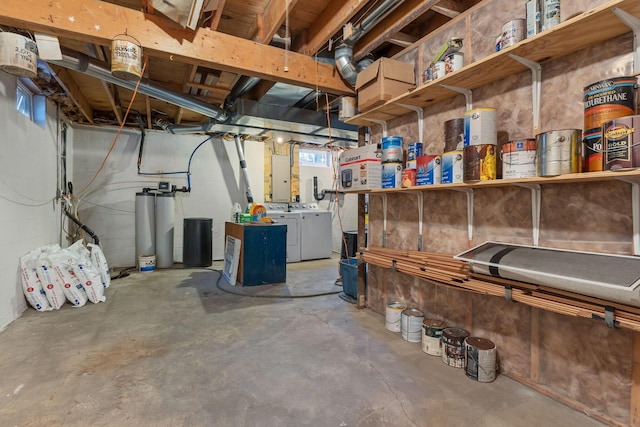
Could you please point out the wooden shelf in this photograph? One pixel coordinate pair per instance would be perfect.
(584, 30)
(576, 178)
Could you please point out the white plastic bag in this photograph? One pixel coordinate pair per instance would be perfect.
(87, 273)
(49, 279)
(63, 262)
(100, 263)
(31, 285)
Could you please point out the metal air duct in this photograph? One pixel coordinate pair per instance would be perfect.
(347, 68)
(80, 62)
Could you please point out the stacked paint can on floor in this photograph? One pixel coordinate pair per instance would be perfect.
(393, 316)
(480, 359)
(480, 145)
(453, 353)
(392, 156)
(519, 159)
(432, 336)
(621, 140)
(411, 320)
(604, 101)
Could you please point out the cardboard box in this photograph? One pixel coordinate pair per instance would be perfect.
(383, 80)
(360, 168)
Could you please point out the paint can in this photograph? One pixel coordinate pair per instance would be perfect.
(439, 70)
(550, 14)
(513, 32)
(18, 55)
(453, 353)
(413, 151)
(453, 62)
(533, 18)
(519, 158)
(479, 163)
(480, 127)
(431, 336)
(454, 134)
(408, 178)
(427, 75)
(452, 170)
(422, 164)
(412, 325)
(603, 101)
(434, 171)
(146, 263)
(391, 175)
(393, 316)
(126, 58)
(392, 149)
(559, 152)
(621, 140)
(480, 359)
(499, 42)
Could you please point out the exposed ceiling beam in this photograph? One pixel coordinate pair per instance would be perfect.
(98, 22)
(148, 103)
(69, 85)
(217, 15)
(112, 101)
(260, 89)
(449, 8)
(328, 23)
(272, 19)
(403, 39)
(399, 18)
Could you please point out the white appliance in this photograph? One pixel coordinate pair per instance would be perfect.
(316, 231)
(293, 221)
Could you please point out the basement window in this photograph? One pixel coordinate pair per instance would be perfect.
(31, 105)
(315, 158)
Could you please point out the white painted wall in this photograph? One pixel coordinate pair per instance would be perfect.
(29, 216)
(344, 209)
(108, 205)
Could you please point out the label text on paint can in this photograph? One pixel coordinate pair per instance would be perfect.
(480, 127)
(391, 175)
(621, 140)
(519, 159)
(453, 62)
(439, 70)
(513, 32)
(551, 15)
(408, 178)
(452, 167)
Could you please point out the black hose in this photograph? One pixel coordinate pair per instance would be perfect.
(90, 232)
(268, 296)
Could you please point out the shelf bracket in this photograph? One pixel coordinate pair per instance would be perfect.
(536, 196)
(633, 23)
(468, 94)
(635, 207)
(469, 192)
(420, 197)
(381, 123)
(420, 113)
(536, 85)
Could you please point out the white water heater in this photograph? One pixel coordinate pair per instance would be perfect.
(165, 218)
(145, 224)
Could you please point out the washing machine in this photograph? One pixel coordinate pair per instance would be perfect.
(293, 220)
(316, 231)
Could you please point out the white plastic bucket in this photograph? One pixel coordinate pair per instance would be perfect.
(146, 263)
(393, 316)
(18, 55)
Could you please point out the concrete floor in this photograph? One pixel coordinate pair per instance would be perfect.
(169, 348)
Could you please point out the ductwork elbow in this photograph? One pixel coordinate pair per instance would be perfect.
(344, 62)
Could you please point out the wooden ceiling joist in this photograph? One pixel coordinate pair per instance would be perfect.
(403, 39)
(217, 15)
(449, 8)
(332, 19)
(65, 80)
(400, 17)
(114, 106)
(272, 19)
(98, 22)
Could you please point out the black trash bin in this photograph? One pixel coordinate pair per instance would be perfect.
(196, 242)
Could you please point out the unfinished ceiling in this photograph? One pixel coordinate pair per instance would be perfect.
(267, 51)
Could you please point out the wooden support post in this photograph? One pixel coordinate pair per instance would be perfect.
(534, 375)
(362, 302)
(635, 382)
